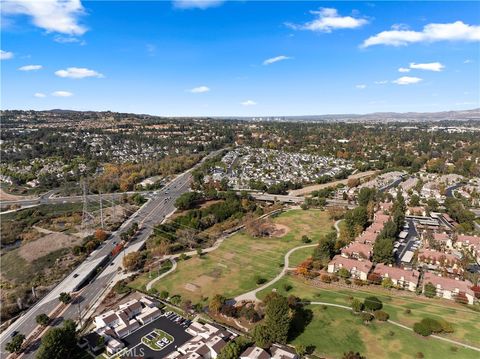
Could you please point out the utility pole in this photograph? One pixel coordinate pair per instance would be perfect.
(86, 216)
(101, 210)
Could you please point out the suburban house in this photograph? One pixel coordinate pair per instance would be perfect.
(435, 259)
(416, 211)
(402, 278)
(367, 237)
(449, 288)
(357, 250)
(207, 342)
(358, 269)
(469, 243)
(115, 325)
(274, 352)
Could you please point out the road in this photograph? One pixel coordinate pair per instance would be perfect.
(150, 214)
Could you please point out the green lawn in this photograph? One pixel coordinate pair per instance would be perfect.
(236, 265)
(334, 331)
(300, 255)
(466, 322)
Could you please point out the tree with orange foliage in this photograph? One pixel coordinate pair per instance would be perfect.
(101, 235)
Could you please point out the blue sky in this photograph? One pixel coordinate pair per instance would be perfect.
(240, 58)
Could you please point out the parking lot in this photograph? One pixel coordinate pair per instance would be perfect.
(171, 324)
(411, 242)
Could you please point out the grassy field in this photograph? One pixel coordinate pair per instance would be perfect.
(236, 265)
(300, 255)
(466, 322)
(334, 331)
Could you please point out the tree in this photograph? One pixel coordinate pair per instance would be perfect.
(216, 303)
(383, 251)
(132, 261)
(65, 298)
(59, 343)
(277, 318)
(325, 249)
(387, 283)
(187, 200)
(15, 345)
(262, 336)
(343, 273)
(357, 305)
(381, 315)
(422, 329)
(230, 351)
(372, 303)
(42, 319)
(301, 350)
(305, 239)
(429, 290)
(101, 235)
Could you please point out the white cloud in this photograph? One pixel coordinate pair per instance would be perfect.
(361, 86)
(248, 103)
(78, 73)
(5, 55)
(455, 31)
(199, 89)
(276, 59)
(68, 40)
(468, 61)
(196, 4)
(407, 80)
(52, 15)
(62, 94)
(403, 69)
(30, 67)
(327, 20)
(39, 94)
(381, 82)
(431, 66)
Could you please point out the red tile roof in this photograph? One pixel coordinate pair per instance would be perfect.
(347, 263)
(448, 283)
(397, 273)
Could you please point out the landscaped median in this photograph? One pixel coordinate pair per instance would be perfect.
(157, 340)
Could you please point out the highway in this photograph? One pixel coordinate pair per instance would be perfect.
(151, 213)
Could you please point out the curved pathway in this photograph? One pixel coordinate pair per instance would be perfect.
(252, 295)
(337, 228)
(400, 326)
(152, 282)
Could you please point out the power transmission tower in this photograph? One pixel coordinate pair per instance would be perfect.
(86, 216)
(101, 210)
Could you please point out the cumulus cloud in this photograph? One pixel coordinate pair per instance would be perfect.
(62, 94)
(30, 67)
(381, 82)
(196, 4)
(39, 94)
(51, 15)
(361, 86)
(276, 59)
(327, 20)
(403, 69)
(78, 73)
(431, 66)
(455, 31)
(407, 80)
(248, 103)
(199, 89)
(468, 61)
(5, 55)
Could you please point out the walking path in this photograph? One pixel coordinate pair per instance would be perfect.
(402, 326)
(152, 282)
(337, 228)
(252, 295)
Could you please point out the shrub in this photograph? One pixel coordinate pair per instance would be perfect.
(325, 278)
(430, 290)
(260, 280)
(367, 317)
(374, 278)
(357, 306)
(381, 315)
(372, 303)
(419, 355)
(446, 326)
(358, 282)
(421, 329)
(432, 324)
(305, 239)
(348, 281)
(343, 273)
(408, 311)
(287, 287)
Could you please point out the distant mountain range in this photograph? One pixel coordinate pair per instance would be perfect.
(376, 117)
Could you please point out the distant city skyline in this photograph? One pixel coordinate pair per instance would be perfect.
(240, 58)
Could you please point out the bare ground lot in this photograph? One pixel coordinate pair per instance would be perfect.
(4, 196)
(52, 242)
(306, 190)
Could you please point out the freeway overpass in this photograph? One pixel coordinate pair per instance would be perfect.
(93, 275)
(259, 196)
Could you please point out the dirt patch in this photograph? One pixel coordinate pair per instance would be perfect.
(191, 287)
(280, 230)
(4, 196)
(47, 244)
